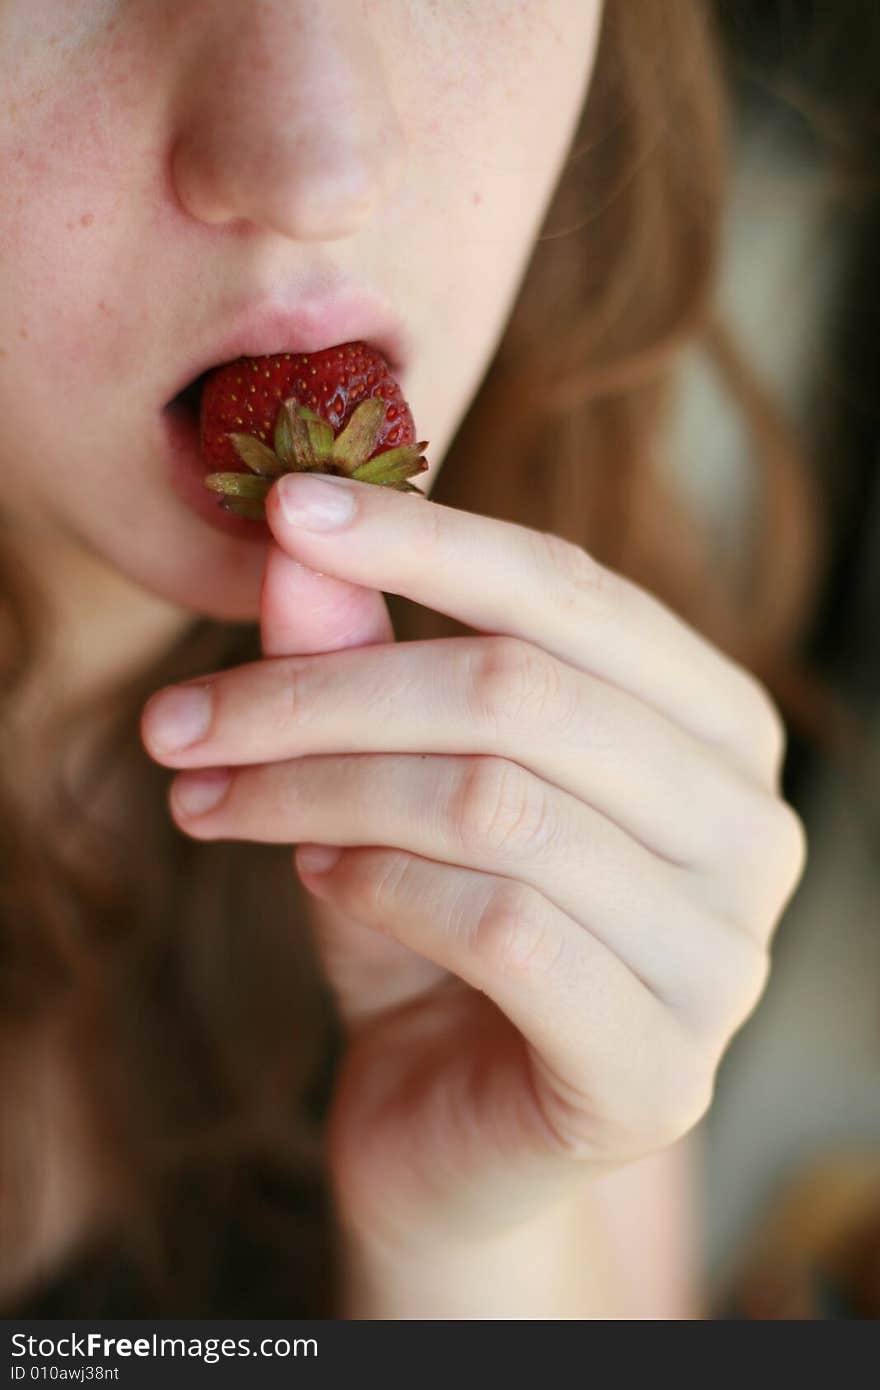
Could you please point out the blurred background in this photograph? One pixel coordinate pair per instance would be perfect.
(791, 1147)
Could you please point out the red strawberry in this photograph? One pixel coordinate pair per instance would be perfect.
(335, 411)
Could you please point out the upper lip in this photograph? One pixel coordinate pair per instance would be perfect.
(307, 324)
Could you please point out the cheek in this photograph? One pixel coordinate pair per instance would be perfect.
(490, 119)
(496, 111)
(65, 187)
(509, 72)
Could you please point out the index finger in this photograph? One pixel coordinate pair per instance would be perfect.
(501, 577)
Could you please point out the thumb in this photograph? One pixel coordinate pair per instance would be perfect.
(305, 612)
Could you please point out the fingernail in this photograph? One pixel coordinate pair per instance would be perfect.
(316, 504)
(176, 718)
(200, 790)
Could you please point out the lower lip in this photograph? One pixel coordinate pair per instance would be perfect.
(187, 472)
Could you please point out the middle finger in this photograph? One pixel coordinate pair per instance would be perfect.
(493, 695)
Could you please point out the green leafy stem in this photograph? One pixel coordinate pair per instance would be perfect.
(304, 443)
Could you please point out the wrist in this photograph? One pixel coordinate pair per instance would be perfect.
(552, 1265)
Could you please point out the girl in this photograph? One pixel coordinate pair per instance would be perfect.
(436, 1062)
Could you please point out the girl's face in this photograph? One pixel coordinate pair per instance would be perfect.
(186, 181)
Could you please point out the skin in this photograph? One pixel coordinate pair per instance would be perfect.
(167, 160)
(559, 944)
(539, 946)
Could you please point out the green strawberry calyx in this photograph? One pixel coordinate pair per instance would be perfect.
(304, 443)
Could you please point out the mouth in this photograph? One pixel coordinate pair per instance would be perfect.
(185, 409)
(189, 400)
(313, 325)
(260, 329)
(187, 468)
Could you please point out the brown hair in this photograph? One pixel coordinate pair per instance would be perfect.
(177, 973)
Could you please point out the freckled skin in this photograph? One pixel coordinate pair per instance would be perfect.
(153, 180)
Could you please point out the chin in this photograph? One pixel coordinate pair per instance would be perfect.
(219, 579)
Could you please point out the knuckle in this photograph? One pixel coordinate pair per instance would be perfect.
(687, 1104)
(768, 735)
(374, 881)
(577, 580)
(497, 678)
(749, 973)
(512, 682)
(683, 1089)
(767, 834)
(738, 986)
(777, 732)
(437, 536)
(775, 852)
(732, 820)
(499, 807)
(300, 694)
(512, 935)
(794, 845)
(773, 729)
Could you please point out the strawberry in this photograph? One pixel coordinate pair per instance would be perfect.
(335, 411)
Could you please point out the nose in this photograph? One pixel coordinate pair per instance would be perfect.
(284, 117)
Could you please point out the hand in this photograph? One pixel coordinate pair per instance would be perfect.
(564, 851)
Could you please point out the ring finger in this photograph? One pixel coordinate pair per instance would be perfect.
(487, 814)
